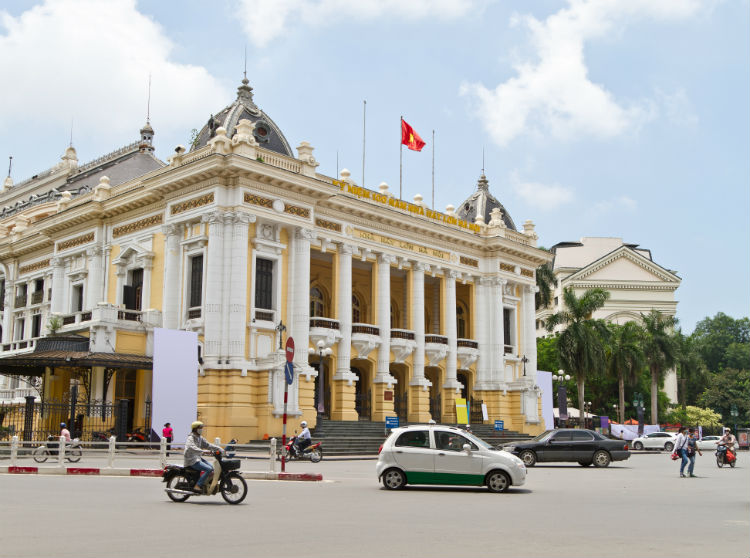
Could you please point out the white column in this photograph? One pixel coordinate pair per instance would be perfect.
(529, 332)
(8, 312)
(172, 285)
(300, 283)
(228, 220)
(498, 335)
(483, 328)
(417, 306)
(344, 312)
(384, 317)
(214, 273)
(451, 362)
(238, 286)
(58, 285)
(148, 267)
(94, 281)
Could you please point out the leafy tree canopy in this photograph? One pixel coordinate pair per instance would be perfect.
(727, 388)
(713, 336)
(695, 416)
(546, 354)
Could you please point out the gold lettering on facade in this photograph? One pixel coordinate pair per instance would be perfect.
(75, 241)
(137, 225)
(192, 204)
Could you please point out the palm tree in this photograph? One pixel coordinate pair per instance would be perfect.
(689, 363)
(580, 347)
(624, 357)
(660, 350)
(545, 281)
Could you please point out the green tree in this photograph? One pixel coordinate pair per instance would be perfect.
(726, 388)
(579, 347)
(660, 350)
(690, 366)
(712, 337)
(546, 354)
(695, 416)
(624, 356)
(545, 281)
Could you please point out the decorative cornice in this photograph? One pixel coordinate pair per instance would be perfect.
(258, 200)
(192, 204)
(469, 261)
(629, 286)
(83, 239)
(331, 226)
(507, 267)
(137, 225)
(527, 272)
(628, 254)
(296, 210)
(33, 267)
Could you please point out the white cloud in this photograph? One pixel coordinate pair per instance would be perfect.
(621, 203)
(553, 94)
(545, 197)
(89, 61)
(263, 21)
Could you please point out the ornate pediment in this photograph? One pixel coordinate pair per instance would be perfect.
(624, 265)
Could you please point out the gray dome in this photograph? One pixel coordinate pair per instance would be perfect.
(266, 132)
(482, 203)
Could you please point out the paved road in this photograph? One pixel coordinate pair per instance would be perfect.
(636, 508)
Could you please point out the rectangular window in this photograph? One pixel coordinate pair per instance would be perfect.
(77, 298)
(36, 325)
(264, 284)
(19, 329)
(131, 293)
(196, 281)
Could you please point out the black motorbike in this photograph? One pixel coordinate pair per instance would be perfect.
(725, 456)
(225, 478)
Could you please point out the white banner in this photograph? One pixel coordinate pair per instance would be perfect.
(175, 382)
(544, 381)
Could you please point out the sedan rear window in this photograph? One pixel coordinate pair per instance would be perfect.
(414, 439)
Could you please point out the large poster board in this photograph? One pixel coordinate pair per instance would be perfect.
(175, 382)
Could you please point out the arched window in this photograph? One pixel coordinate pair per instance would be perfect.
(356, 309)
(461, 321)
(317, 303)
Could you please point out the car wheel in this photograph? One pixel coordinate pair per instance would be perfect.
(669, 446)
(394, 479)
(498, 481)
(528, 457)
(601, 459)
(584, 463)
(638, 446)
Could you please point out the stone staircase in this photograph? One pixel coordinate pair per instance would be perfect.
(364, 437)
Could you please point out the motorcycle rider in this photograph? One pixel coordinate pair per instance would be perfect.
(728, 440)
(303, 440)
(194, 446)
(64, 432)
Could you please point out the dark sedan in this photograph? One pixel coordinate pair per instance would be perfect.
(568, 444)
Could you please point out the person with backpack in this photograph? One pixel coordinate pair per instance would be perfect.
(680, 448)
(692, 447)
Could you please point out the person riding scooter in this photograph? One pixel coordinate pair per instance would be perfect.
(303, 440)
(728, 441)
(194, 446)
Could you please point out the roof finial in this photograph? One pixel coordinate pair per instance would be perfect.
(10, 163)
(71, 136)
(148, 103)
(482, 160)
(245, 72)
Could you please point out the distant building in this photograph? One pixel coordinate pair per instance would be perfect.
(636, 284)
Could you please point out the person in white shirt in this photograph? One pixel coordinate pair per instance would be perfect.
(304, 438)
(680, 447)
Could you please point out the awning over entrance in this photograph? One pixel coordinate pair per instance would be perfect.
(68, 351)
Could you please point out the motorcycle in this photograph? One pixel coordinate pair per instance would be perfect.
(102, 436)
(137, 435)
(73, 451)
(313, 452)
(725, 456)
(226, 479)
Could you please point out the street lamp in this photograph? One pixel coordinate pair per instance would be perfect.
(322, 352)
(638, 404)
(586, 412)
(735, 413)
(524, 360)
(562, 397)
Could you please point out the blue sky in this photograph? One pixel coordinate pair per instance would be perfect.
(625, 118)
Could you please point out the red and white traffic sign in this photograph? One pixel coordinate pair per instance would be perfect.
(289, 349)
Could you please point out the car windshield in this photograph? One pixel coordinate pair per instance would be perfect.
(477, 441)
(543, 436)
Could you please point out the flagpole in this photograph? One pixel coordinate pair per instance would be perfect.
(364, 127)
(400, 158)
(433, 169)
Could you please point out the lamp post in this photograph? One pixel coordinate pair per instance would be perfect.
(638, 404)
(735, 413)
(524, 360)
(586, 412)
(322, 352)
(562, 397)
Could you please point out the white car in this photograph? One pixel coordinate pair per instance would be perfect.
(708, 443)
(655, 440)
(435, 454)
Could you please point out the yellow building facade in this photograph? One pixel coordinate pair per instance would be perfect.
(395, 309)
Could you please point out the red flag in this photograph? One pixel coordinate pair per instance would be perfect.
(410, 138)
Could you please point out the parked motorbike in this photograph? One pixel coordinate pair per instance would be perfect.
(725, 456)
(313, 452)
(137, 435)
(226, 479)
(102, 436)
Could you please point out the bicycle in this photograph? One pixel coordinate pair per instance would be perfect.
(73, 451)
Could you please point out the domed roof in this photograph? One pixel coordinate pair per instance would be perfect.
(482, 203)
(266, 132)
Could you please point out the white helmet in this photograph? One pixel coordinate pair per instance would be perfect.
(303, 424)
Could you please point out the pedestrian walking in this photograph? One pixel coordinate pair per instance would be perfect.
(692, 447)
(680, 446)
(167, 433)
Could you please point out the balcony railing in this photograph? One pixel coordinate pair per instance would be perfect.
(23, 344)
(509, 349)
(76, 317)
(194, 313)
(432, 338)
(365, 329)
(21, 301)
(402, 334)
(467, 343)
(130, 315)
(265, 315)
(325, 323)
(37, 297)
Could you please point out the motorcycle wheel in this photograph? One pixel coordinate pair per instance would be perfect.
(719, 461)
(178, 482)
(732, 463)
(233, 488)
(40, 454)
(73, 455)
(316, 455)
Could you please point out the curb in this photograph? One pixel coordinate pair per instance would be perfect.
(115, 472)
